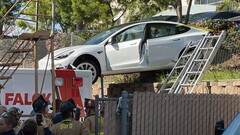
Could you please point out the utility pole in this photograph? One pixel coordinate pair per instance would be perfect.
(36, 51)
(52, 57)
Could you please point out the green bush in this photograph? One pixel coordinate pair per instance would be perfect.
(216, 25)
(232, 42)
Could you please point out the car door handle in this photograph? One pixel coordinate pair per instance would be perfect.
(176, 39)
(133, 44)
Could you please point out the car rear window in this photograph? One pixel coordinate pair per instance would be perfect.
(163, 30)
(181, 29)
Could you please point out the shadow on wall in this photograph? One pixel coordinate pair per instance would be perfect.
(115, 90)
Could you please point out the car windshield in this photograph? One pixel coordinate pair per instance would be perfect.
(98, 38)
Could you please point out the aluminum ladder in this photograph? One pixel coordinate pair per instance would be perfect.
(189, 68)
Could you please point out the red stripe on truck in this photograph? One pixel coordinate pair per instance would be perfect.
(69, 90)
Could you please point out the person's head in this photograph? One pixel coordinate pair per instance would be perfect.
(57, 102)
(90, 106)
(8, 121)
(15, 111)
(66, 108)
(29, 127)
(40, 105)
(2, 109)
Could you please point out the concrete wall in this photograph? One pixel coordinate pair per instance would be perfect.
(204, 87)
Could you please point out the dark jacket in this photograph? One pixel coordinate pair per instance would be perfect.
(47, 131)
(11, 132)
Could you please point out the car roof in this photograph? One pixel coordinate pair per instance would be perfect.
(215, 15)
(236, 18)
(156, 21)
(172, 18)
(147, 21)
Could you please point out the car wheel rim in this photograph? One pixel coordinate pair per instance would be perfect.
(88, 66)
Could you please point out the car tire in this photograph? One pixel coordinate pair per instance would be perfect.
(89, 65)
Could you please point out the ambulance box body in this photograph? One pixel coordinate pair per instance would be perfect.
(19, 91)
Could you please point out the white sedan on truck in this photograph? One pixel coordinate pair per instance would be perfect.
(128, 48)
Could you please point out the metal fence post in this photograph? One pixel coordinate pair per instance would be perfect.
(96, 115)
(124, 111)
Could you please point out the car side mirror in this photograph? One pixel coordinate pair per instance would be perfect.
(219, 127)
(110, 41)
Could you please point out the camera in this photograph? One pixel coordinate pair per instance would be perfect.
(77, 112)
(39, 119)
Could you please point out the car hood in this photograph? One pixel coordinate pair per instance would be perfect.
(79, 49)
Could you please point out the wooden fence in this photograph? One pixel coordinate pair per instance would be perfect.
(165, 114)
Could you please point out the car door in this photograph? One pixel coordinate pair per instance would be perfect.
(123, 52)
(163, 43)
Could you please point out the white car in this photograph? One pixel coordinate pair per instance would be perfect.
(128, 48)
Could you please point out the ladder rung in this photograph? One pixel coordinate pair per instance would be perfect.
(187, 85)
(193, 46)
(182, 66)
(25, 36)
(38, 34)
(165, 90)
(212, 37)
(5, 77)
(200, 60)
(188, 55)
(9, 64)
(194, 72)
(206, 48)
(19, 50)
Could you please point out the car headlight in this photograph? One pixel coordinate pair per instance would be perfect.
(63, 55)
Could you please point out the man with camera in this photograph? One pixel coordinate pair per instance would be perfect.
(40, 107)
(68, 125)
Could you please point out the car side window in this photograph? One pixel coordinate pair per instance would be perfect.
(135, 32)
(163, 30)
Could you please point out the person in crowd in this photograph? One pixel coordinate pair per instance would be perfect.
(30, 127)
(40, 107)
(2, 109)
(18, 113)
(89, 121)
(57, 117)
(69, 126)
(8, 122)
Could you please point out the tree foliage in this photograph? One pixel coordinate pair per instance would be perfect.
(5, 5)
(229, 5)
(63, 14)
(164, 4)
(74, 15)
(142, 10)
(44, 15)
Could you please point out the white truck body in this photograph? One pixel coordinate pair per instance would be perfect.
(19, 91)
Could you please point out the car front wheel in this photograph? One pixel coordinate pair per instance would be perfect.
(89, 65)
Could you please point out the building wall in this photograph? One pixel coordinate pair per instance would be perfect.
(212, 2)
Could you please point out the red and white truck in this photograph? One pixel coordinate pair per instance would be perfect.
(20, 89)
